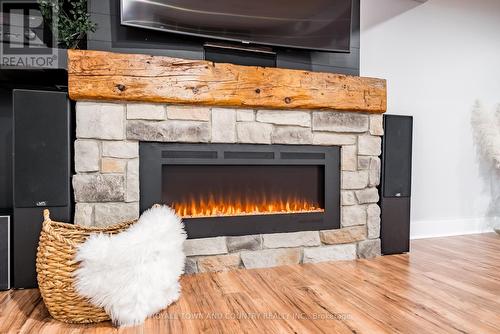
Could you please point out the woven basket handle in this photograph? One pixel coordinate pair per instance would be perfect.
(46, 215)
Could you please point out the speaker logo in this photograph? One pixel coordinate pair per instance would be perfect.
(27, 41)
(41, 203)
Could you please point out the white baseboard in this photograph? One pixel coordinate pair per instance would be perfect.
(442, 228)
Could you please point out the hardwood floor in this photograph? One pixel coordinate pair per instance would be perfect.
(445, 285)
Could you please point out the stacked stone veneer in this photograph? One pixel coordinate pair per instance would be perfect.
(106, 185)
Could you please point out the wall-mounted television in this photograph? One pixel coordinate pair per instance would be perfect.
(323, 25)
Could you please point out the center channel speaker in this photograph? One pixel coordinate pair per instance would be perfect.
(41, 172)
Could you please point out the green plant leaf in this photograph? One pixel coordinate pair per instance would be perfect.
(71, 19)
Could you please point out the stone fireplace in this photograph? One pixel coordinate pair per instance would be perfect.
(256, 187)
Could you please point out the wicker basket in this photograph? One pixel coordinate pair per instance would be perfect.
(55, 265)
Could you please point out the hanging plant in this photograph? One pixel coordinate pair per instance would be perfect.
(72, 20)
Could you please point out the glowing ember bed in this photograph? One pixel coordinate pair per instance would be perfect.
(235, 189)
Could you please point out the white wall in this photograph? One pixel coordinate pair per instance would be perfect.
(438, 58)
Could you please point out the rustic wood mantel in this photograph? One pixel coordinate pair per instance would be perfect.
(97, 75)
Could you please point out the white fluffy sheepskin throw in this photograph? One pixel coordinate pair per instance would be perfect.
(134, 274)
(486, 125)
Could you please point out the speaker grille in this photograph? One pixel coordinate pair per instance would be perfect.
(41, 148)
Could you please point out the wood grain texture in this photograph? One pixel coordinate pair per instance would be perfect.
(97, 75)
(445, 285)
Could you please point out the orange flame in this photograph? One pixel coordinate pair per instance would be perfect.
(197, 208)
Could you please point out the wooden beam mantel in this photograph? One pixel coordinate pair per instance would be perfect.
(97, 75)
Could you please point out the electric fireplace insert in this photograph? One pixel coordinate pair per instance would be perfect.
(236, 189)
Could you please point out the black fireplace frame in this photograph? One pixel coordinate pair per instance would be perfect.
(154, 155)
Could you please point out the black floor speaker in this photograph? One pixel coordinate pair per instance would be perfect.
(395, 184)
(5, 151)
(4, 252)
(41, 172)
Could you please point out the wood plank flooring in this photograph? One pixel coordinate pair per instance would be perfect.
(445, 285)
